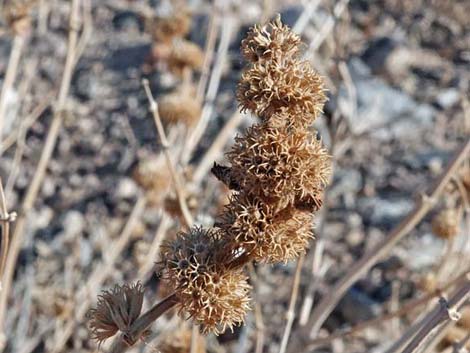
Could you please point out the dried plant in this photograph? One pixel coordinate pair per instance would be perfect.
(278, 169)
(17, 15)
(116, 310)
(208, 291)
(174, 25)
(179, 106)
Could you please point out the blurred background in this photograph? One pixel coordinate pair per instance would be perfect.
(82, 168)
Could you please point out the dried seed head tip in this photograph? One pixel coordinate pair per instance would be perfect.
(116, 310)
(271, 40)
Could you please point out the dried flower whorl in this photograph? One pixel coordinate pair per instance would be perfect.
(165, 28)
(278, 167)
(285, 167)
(179, 107)
(277, 81)
(282, 87)
(115, 311)
(272, 40)
(269, 235)
(207, 290)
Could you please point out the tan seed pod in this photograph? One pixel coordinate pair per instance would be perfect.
(179, 107)
(177, 25)
(195, 263)
(150, 173)
(116, 310)
(17, 15)
(278, 86)
(271, 40)
(268, 235)
(185, 54)
(292, 168)
(446, 223)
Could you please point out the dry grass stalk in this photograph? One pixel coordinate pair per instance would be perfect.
(165, 145)
(425, 203)
(5, 219)
(46, 154)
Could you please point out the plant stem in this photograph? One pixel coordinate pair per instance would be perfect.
(446, 310)
(142, 323)
(35, 185)
(360, 268)
(165, 145)
(10, 76)
(291, 311)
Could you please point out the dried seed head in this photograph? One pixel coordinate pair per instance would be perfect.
(17, 15)
(178, 107)
(185, 54)
(152, 174)
(274, 164)
(289, 87)
(178, 24)
(272, 40)
(116, 310)
(268, 235)
(446, 223)
(214, 296)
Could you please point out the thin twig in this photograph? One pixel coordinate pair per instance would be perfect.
(446, 310)
(165, 145)
(5, 219)
(328, 303)
(214, 82)
(34, 187)
(208, 52)
(293, 299)
(216, 149)
(101, 273)
(10, 76)
(405, 309)
(29, 120)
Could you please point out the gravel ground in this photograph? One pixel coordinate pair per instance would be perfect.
(398, 87)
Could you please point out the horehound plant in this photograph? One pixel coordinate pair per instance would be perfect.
(278, 171)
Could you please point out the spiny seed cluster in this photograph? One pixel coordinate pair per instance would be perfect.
(196, 266)
(117, 309)
(278, 167)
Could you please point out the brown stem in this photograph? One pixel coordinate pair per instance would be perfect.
(446, 310)
(142, 323)
(329, 302)
(188, 218)
(405, 309)
(46, 154)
